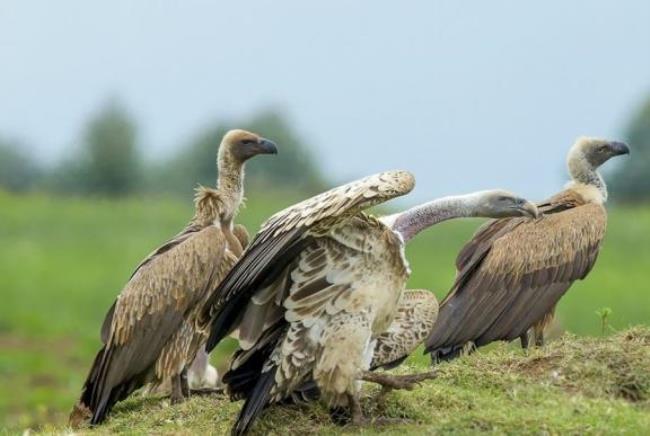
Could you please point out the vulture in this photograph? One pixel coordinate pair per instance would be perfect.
(318, 284)
(152, 331)
(513, 272)
(414, 320)
(201, 375)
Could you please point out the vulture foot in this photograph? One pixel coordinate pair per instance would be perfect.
(185, 385)
(356, 413)
(178, 394)
(389, 381)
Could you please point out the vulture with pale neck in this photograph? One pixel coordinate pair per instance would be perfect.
(515, 270)
(319, 283)
(152, 332)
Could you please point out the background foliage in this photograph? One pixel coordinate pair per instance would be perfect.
(631, 181)
(72, 233)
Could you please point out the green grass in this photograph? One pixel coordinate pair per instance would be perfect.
(63, 261)
(573, 386)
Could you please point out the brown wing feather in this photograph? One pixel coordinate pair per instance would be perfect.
(242, 235)
(149, 311)
(285, 234)
(182, 236)
(515, 270)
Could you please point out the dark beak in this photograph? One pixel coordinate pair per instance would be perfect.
(529, 209)
(266, 147)
(619, 148)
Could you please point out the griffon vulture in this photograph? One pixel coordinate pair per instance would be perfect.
(152, 332)
(318, 284)
(515, 270)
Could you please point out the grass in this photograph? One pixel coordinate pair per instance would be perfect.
(575, 385)
(63, 261)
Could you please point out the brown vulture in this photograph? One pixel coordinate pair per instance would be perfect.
(318, 284)
(151, 332)
(515, 270)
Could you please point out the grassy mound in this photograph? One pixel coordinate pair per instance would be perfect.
(573, 385)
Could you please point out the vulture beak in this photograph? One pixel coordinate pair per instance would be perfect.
(264, 146)
(619, 148)
(529, 209)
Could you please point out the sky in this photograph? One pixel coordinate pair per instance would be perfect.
(467, 95)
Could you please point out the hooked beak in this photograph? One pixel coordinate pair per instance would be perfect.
(529, 209)
(264, 146)
(619, 148)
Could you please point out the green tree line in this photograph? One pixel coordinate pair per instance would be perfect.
(108, 160)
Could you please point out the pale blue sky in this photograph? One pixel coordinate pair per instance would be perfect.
(466, 94)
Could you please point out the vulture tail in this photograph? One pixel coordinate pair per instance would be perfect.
(83, 410)
(257, 400)
(97, 398)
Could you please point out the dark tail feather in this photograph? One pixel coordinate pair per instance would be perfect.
(97, 399)
(83, 410)
(255, 403)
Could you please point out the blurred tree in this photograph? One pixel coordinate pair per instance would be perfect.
(111, 161)
(293, 168)
(18, 172)
(631, 180)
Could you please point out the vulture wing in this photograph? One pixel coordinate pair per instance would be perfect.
(181, 237)
(149, 311)
(515, 270)
(284, 235)
(242, 235)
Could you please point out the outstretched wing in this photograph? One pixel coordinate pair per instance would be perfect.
(515, 270)
(285, 234)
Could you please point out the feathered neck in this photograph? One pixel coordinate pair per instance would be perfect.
(582, 172)
(412, 221)
(230, 183)
(220, 205)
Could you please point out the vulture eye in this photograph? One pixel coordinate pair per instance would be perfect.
(247, 141)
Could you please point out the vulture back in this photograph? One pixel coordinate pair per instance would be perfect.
(514, 271)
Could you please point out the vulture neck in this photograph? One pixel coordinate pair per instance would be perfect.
(230, 184)
(583, 173)
(412, 221)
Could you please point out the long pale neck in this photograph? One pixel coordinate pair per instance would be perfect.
(412, 221)
(583, 172)
(230, 184)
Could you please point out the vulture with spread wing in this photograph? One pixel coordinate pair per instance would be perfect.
(515, 270)
(152, 331)
(317, 286)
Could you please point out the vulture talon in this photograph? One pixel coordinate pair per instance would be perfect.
(390, 381)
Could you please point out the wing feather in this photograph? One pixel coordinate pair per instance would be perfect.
(515, 270)
(284, 235)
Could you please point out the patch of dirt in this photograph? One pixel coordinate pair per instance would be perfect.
(538, 366)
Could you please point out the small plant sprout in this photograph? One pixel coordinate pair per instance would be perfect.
(603, 313)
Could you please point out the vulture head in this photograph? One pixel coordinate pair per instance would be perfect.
(242, 145)
(500, 204)
(595, 152)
